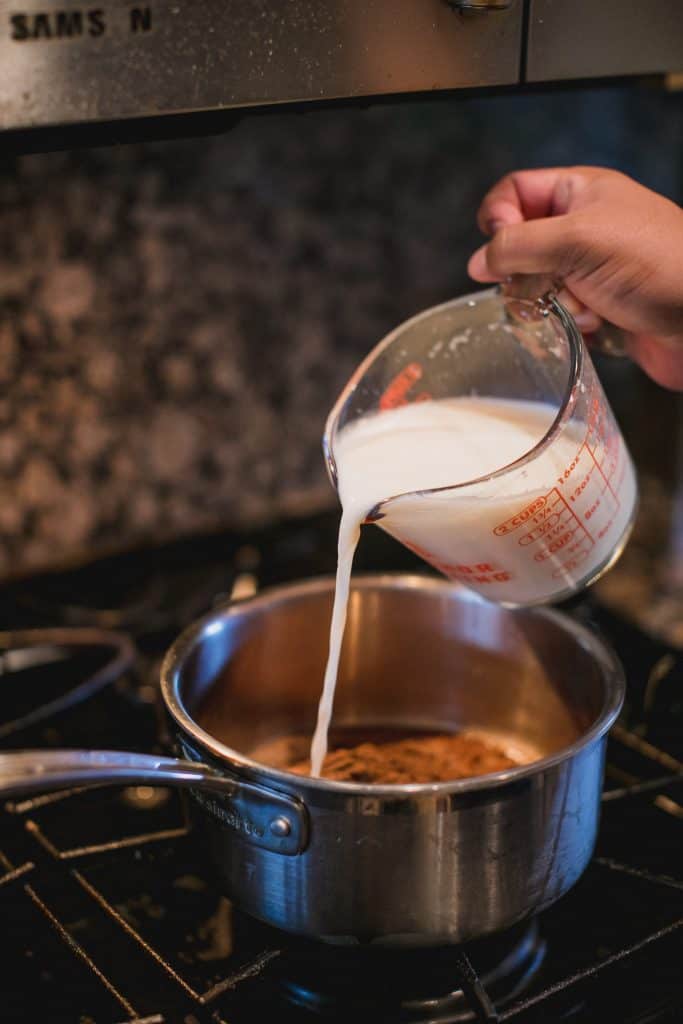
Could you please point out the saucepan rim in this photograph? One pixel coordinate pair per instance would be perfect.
(236, 762)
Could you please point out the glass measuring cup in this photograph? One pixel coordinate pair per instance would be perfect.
(542, 526)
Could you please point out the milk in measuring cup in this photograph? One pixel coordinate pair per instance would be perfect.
(519, 538)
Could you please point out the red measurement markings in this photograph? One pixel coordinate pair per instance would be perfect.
(396, 393)
(573, 547)
(558, 519)
(478, 572)
(571, 467)
(550, 522)
(521, 517)
(570, 564)
(481, 572)
(420, 552)
(560, 498)
(549, 516)
(555, 528)
(608, 485)
(590, 512)
(622, 465)
(602, 433)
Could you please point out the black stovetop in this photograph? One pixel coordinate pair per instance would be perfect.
(111, 915)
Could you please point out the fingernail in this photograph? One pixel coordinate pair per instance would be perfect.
(588, 323)
(494, 225)
(586, 320)
(476, 266)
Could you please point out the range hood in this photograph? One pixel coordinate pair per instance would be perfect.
(65, 63)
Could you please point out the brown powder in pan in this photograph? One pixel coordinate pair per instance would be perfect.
(430, 758)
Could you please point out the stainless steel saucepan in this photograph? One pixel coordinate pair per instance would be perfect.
(346, 862)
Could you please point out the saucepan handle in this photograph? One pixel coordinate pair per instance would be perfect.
(259, 815)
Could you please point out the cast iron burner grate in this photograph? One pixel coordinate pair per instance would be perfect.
(111, 918)
(438, 985)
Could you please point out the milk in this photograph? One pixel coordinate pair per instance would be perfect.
(519, 538)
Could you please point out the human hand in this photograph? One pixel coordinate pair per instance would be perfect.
(616, 246)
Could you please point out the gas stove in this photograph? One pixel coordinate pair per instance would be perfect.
(111, 913)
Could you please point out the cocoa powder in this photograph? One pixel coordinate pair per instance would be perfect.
(425, 759)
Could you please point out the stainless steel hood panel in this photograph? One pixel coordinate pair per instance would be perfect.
(65, 62)
(593, 38)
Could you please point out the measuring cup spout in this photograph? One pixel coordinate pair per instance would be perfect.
(375, 514)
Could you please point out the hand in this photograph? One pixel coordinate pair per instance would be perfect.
(616, 247)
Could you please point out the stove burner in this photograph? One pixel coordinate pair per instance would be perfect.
(112, 909)
(432, 986)
(55, 669)
(126, 592)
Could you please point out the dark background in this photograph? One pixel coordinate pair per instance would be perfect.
(178, 317)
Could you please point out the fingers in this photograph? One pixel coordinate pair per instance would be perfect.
(535, 247)
(527, 195)
(478, 268)
(660, 358)
(586, 320)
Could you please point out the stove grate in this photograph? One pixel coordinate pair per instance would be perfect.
(64, 878)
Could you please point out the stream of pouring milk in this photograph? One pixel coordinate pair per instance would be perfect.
(419, 447)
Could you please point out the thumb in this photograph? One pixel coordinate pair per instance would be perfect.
(544, 246)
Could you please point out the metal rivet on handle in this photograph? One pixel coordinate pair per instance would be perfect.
(280, 827)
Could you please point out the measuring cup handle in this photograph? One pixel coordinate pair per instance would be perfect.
(37, 771)
(608, 339)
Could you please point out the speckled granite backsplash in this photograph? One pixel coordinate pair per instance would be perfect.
(177, 318)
